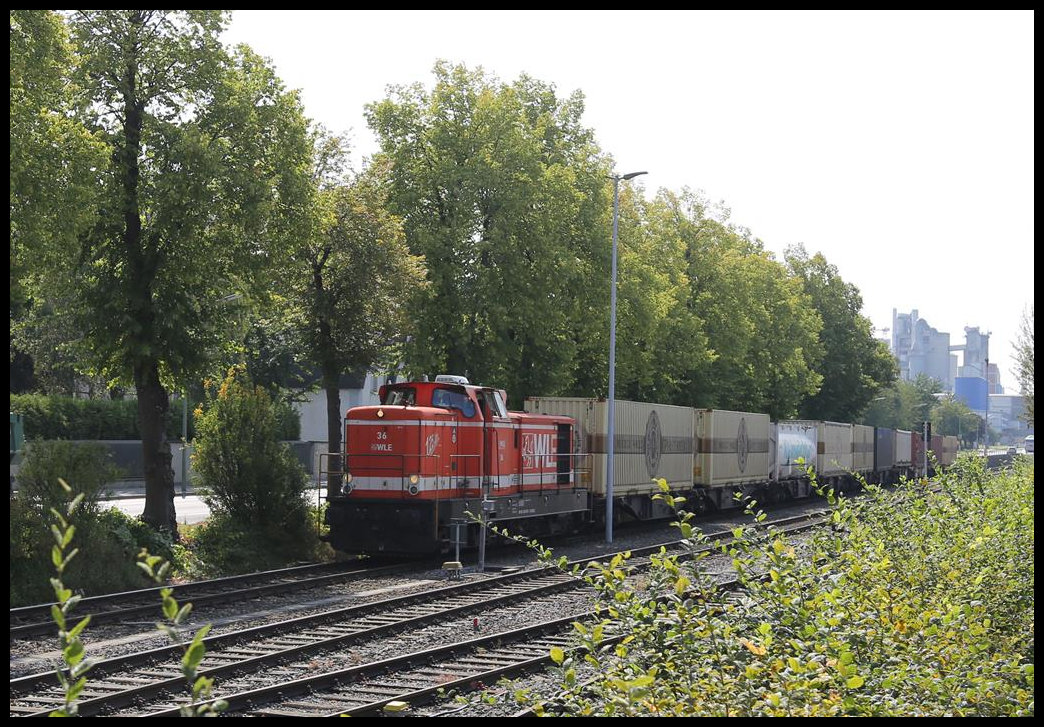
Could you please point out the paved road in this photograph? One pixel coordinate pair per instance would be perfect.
(190, 509)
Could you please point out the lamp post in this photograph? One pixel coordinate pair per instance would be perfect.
(986, 414)
(609, 470)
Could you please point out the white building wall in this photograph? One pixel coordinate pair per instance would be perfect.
(313, 409)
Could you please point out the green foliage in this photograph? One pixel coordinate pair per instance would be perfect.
(504, 193)
(760, 328)
(1024, 361)
(47, 462)
(904, 404)
(909, 603)
(63, 417)
(54, 156)
(199, 687)
(853, 364)
(951, 416)
(108, 539)
(72, 677)
(252, 483)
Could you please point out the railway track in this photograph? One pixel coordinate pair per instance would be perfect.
(300, 654)
(30, 621)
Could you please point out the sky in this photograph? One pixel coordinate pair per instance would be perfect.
(899, 144)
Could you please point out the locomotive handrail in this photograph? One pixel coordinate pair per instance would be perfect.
(574, 471)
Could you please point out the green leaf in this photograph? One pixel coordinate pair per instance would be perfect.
(193, 656)
(183, 613)
(854, 682)
(557, 655)
(75, 630)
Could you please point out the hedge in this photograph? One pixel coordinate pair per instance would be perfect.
(62, 417)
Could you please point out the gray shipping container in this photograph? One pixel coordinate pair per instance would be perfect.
(862, 448)
(884, 449)
(732, 447)
(793, 449)
(903, 448)
(651, 441)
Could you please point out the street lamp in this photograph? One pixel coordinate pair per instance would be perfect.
(609, 470)
(986, 414)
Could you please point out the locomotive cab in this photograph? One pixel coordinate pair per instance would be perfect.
(417, 463)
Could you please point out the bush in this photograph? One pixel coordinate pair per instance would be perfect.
(911, 603)
(88, 465)
(108, 540)
(253, 484)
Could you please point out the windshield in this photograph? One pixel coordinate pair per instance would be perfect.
(447, 399)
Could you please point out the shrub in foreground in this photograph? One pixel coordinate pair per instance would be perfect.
(108, 540)
(911, 603)
(252, 483)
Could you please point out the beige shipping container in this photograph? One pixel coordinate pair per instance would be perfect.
(651, 441)
(732, 447)
(862, 448)
(835, 448)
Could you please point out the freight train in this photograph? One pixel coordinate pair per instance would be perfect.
(432, 452)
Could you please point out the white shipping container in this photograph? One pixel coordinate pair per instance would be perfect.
(793, 449)
(651, 441)
(903, 448)
(862, 448)
(732, 447)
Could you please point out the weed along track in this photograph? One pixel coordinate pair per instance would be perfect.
(360, 657)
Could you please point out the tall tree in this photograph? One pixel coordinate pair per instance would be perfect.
(354, 277)
(1024, 362)
(759, 327)
(660, 337)
(951, 416)
(504, 193)
(208, 162)
(54, 156)
(54, 162)
(904, 404)
(854, 365)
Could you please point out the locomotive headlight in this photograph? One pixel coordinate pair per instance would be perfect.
(414, 479)
(380, 413)
(346, 488)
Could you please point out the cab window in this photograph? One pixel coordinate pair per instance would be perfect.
(400, 397)
(447, 399)
(492, 404)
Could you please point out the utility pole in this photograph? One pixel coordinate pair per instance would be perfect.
(986, 416)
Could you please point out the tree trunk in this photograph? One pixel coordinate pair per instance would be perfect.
(152, 397)
(333, 427)
(153, 404)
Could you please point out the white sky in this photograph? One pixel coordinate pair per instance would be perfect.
(898, 144)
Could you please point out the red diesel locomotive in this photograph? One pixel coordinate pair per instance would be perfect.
(431, 451)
